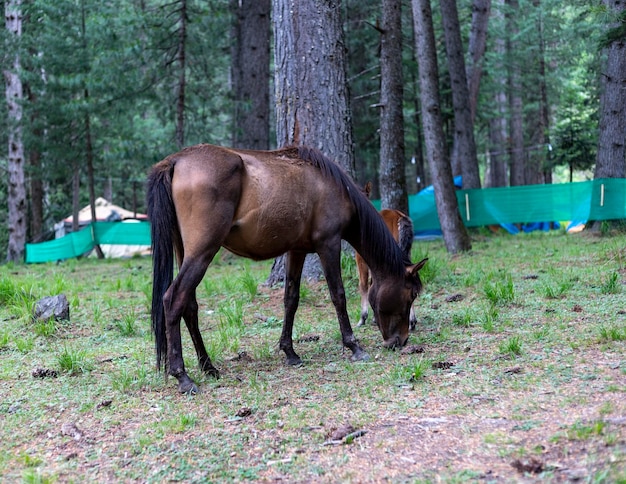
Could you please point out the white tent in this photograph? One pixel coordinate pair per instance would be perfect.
(105, 212)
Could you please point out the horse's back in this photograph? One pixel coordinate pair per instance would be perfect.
(257, 204)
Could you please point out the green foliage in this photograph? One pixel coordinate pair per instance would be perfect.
(74, 361)
(499, 289)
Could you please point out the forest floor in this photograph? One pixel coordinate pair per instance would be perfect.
(516, 373)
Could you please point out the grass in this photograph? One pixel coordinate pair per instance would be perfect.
(528, 362)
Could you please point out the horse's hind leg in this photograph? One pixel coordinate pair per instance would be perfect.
(180, 300)
(190, 315)
(294, 261)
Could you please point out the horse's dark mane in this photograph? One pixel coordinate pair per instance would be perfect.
(380, 248)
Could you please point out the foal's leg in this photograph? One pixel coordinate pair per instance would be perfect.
(294, 261)
(364, 285)
(412, 319)
(331, 263)
(190, 315)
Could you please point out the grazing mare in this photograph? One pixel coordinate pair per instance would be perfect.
(401, 227)
(261, 204)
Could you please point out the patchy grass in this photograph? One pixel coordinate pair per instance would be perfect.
(516, 372)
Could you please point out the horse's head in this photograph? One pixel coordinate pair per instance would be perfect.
(391, 303)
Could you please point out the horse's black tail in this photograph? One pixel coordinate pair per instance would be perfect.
(405, 235)
(164, 232)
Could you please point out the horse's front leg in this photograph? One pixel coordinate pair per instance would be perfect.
(294, 261)
(331, 263)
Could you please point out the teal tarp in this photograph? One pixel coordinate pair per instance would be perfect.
(78, 243)
(603, 199)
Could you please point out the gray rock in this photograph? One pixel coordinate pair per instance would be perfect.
(52, 307)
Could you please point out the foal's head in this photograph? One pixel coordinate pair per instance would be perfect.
(391, 302)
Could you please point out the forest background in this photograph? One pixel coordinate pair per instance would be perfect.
(111, 87)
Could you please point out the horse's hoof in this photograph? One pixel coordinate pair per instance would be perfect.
(360, 355)
(294, 361)
(188, 388)
(210, 370)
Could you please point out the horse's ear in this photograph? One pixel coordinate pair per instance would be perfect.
(414, 269)
(367, 189)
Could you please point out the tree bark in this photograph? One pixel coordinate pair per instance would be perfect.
(250, 73)
(537, 167)
(611, 156)
(311, 91)
(477, 44)
(498, 127)
(182, 77)
(312, 103)
(464, 148)
(35, 175)
(455, 235)
(393, 189)
(517, 164)
(16, 193)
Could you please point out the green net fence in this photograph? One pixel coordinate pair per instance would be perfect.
(603, 199)
(83, 241)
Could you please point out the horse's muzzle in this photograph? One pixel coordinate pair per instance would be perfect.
(395, 342)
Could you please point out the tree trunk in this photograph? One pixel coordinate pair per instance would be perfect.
(90, 176)
(517, 163)
(611, 157)
(75, 195)
(35, 176)
(88, 141)
(16, 193)
(250, 73)
(312, 104)
(393, 189)
(464, 148)
(182, 78)
(498, 131)
(481, 10)
(455, 235)
(537, 167)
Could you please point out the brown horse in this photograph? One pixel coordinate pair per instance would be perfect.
(401, 227)
(261, 204)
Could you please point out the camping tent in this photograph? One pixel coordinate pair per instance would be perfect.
(105, 212)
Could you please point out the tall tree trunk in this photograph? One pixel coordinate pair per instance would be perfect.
(250, 73)
(35, 177)
(498, 130)
(393, 190)
(16, 193)
(537, 168)
(481, 9)
(90, 175)
(75, 195)
(182, 75)
(455, 235)
(88, 140)
(611, 156)
(464, 148)
(312, 103)
(518, 154)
